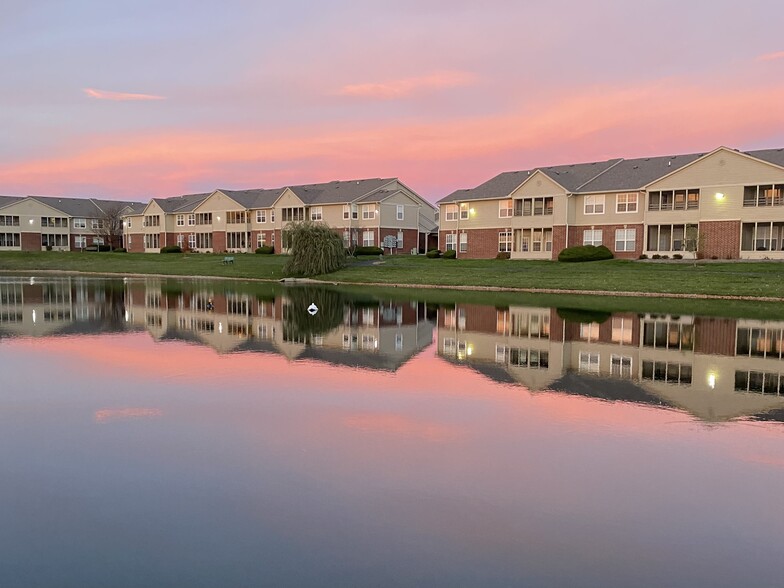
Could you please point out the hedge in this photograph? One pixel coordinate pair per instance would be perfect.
(368, 251)
(585, 253)
(450, 254)
(433, 253)
(265, 250)
(171, 249)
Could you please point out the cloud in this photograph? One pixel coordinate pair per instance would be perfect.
(771, 56)
(108, 415)
(119, 96)
(392, 89)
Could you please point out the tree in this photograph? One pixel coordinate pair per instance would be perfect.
(694, 242)
(315, 249)
(110, 226)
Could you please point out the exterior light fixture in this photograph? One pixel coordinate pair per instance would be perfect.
(217, 217)
(719, 196)
(31, 221)
(711, 380)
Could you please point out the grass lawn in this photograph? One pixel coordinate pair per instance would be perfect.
(723, 278)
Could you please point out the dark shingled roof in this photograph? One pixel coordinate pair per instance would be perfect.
(605, 176)
(185, 203)
(7, 200)
(338, 191)
(612, 389)
(255, 198)
(81, 207)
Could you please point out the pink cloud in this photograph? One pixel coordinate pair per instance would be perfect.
(107, 415)
(401, 88)
(771, 56)
(119, 96)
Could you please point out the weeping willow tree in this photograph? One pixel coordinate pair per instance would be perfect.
(314, 249)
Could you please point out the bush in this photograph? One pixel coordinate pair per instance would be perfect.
(643, 256)
(265, 250)
(104, 248)
(450, 254)
(171, 249)
(368, 251)
(714, 256)
(579, 315)
(433, 253)
(585, 253)
(503, 255)
(655, 256)
(677, 256)
(314, 248)
(121, 250)
(665, 256)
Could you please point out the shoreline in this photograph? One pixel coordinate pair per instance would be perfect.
(507, 289)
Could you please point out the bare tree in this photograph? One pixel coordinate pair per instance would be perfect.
(110, 227)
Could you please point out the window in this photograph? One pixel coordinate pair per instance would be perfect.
(180, 240)
(626, 203)
(592, 237)
(625, 239)
(152, 241)
(346, 238)
(672, 238)
(505, 241)
(368, 316)
(96, 224)
(149, 221)
(505, 209)
(292, 214)
(260, 239)
(759, 382)
(203, 240)
(763, 236)
(368, 211)
(54, 240)
(191, 220)
(368, 238)
(622, 330)
(54, 222)
(450, 242)
(400, 212)
(236, 240)
(400, 239)
(674, 373)
(398, 341)
(589, 331)
(80, 241)
(450, 212)
(674, 199)
(204, 218)
(464, 210)
(463, 242)
(534, 206)
(316, 213)
(766, 195)
(180, 220)
(621, 366)
(81, 223)
(261, 216)
(589, 362)
(346, 212)
(272, 215)
(236, 217)
(129, 222)
(594, 204)
(192, 241)
(668, 334)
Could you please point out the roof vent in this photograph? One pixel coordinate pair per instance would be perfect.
(636, 167)
(529, 172)
(669, 163)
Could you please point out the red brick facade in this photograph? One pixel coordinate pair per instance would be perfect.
(482, 243)
(720, 239)
(219, 241)
(559, 240)
(608, 238)
(410, 237)
(30, 241)
(137, 243)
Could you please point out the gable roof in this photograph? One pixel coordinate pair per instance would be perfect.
(260, 198)
(184, 203)
(81, 207)
(338, 191)
(7, 200)
(614, 175)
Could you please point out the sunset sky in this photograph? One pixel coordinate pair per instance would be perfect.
(145, 98)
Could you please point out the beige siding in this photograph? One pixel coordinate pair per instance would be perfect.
(219, 204)
(611, 216)
(483, 214)
(539, 185)
(30, 213)
(410, 212)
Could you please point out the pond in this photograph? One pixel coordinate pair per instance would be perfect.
(162, 432)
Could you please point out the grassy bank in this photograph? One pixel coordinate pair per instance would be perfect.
(756, 279)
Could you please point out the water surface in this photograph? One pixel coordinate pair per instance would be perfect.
(178, 433)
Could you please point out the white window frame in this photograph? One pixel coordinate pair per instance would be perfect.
(346, 212)
(368, 238)
(260, 239)
(624, 365)
(463, 242)
(622, 236)
(191, 220)
(400, 212)
(180, 240)
(506, 208)
(594, 204)
(316, 213)
(590, 363)
(95, 224)
(590, 237)
(180, 220)
(505, 241)
(627, 202)
(128, 224)
(451, 212)
(261, 217)
(450, 242)
(464, 210)
(80, 241)
(192, 241)
(80, 223)
(368, 211)
(399, 240)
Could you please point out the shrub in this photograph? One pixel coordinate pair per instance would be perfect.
(121, 250)
(655, 256)
(677, 256)
(579, 315)
(315, 249)
(643, 256)
(503, 255)
(171, 249)
(665, 256)
(368, 251)
(104, 248)
(265, 250)
(450, 254)
(585, 253)
(433, 253)
(714, 256)
(48, 247)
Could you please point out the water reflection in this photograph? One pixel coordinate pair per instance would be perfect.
(714, 368)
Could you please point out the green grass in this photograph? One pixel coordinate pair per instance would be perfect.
(756, 279)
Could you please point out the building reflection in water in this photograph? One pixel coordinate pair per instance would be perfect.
(714, 368)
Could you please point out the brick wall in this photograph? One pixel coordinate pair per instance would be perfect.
(559, 240)
(219, 241)
(608, 238)
(409, 239)
(715, 336)
(482, 243)
(30, 241)
(720, 239)
(137, 243)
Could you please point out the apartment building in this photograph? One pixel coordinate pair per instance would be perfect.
(363, 212)
(714, 368)
(36, 223)
(725, 204)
